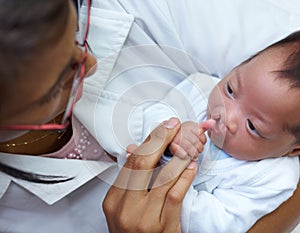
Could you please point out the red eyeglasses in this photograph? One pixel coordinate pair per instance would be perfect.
(81, 41)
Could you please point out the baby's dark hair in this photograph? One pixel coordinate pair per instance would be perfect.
(291, 67)
(290, 70)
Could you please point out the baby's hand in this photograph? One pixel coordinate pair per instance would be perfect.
(189, 141)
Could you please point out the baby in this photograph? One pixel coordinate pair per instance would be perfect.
(249, 164)
(256, 109)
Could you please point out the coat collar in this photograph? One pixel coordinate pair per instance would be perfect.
(81, 170)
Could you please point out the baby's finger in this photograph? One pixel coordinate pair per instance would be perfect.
(202, 138)
(200, 148)
(208, 124)
(177, 150)
(193, 149)
(185, 149)
(199, 133)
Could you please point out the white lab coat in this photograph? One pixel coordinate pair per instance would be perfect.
(191, 39)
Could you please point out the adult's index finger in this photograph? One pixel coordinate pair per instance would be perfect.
(137, 171)
(146, 155)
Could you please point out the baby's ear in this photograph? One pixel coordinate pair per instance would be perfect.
(295, 151)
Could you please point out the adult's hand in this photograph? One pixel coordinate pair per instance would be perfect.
(137, 202)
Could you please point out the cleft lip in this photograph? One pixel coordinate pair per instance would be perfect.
(219, 129)
(216, 116)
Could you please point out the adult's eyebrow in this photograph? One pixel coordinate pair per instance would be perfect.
(55, 85)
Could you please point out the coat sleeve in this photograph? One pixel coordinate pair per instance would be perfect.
(187, 101)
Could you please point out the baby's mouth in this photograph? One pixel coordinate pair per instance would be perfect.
(219, 129)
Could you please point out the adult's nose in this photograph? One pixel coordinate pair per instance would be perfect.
(89, 62)
(90, 65)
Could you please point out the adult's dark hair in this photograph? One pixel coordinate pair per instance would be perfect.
(27, 29)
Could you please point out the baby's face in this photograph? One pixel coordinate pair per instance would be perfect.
(253, 110)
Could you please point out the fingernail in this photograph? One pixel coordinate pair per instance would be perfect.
(171, 123)
(192, 165)
(128, 155)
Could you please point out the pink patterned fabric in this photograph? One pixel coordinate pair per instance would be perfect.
(82, 145)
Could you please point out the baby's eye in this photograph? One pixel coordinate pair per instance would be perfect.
(229, 90)
(251, 127)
